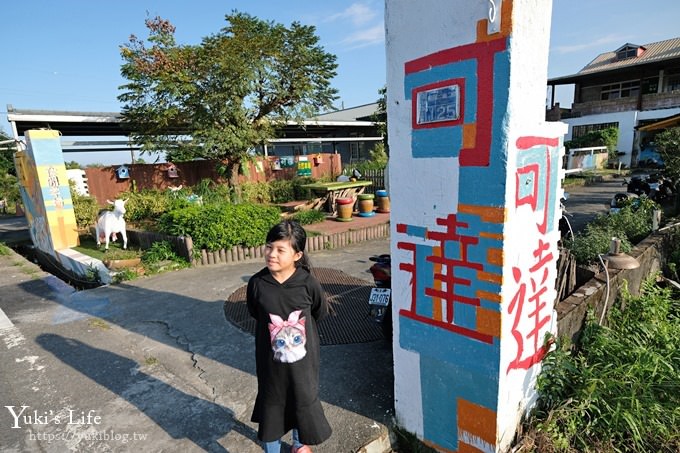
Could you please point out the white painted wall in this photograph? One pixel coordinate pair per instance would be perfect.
(627, 123)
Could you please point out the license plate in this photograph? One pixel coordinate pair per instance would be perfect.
(380, 296)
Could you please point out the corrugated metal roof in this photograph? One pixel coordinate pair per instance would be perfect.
(656, 51)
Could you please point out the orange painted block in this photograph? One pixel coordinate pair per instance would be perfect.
(486, 295)
(486, 213)
(469, 132)
(467, 448)
(496, 236)
(490, 277)
(489, 322)
(495, 256)
(437, 309)
(506, 24)
(477, 420)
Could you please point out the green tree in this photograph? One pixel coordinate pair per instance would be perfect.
(380, 117)
(72, 165)
(6, 156)
(222, 98)
(604, 137)
(668, 144)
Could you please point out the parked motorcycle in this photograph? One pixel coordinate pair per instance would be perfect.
(564, 225)
(380, 300)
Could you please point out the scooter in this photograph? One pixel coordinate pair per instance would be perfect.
(564, 225)
(380, 300)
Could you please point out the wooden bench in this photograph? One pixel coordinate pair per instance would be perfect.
(328, 192)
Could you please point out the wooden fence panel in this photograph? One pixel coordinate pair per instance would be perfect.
(377, 177)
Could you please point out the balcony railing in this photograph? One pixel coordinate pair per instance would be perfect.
(653, 101)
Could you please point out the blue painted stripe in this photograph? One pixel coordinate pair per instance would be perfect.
(447, 346)
(442, 384)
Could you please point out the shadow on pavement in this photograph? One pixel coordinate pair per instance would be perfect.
(356, 377)
(181, 415)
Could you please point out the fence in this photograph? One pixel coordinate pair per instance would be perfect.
(377, 177)
(183, 245)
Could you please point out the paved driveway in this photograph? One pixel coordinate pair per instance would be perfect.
(585, 202)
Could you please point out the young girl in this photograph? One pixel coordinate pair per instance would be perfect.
(287, 301)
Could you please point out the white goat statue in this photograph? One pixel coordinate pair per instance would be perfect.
(110, 223)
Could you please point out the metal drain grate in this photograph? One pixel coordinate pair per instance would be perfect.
(348, 321)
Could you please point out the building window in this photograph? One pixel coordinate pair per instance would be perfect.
(620, 90)
(354, 152)
(580, 131)
(627, 52)
(673, 83)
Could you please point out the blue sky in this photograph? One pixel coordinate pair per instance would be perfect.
(64, 55)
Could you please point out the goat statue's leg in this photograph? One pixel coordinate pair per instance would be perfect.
(123, 234)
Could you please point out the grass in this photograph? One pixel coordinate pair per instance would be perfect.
(88, 246)
(620, 389)
(4, 250)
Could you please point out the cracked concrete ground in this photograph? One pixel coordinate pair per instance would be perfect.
(152, 365)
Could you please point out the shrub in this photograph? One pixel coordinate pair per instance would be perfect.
(156, 257)
(631, 224)
(284, 190)
(85, 208)
(309, 217)
(620, 390)
(255, 192)
(593, 241)
(145, 204)
(212, 192)
(281, 190)
(217, 226)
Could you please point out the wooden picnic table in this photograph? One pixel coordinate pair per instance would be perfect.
(329, 192)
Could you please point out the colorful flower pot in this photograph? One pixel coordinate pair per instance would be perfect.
(344, 207)
(383, 200)
(366, 205)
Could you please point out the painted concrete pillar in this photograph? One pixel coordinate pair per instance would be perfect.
(45, 192)
(46, 195)
(475, 178)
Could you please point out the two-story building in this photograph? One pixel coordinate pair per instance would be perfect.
(626, 88)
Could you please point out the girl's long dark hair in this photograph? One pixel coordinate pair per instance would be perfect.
(291, 230)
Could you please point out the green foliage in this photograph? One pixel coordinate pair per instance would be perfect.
(85, 208)
(668, 145)
(125, 275)
(4, 250)
(605, 137)
(281, 190)
(211, 192)
(284, 190)
(223, 97)
(255, 192)
(366, 165)
(380, 118)
(72, 165)
(145, 204)
(160, 251)
(6, 157)
(631, 224)
(620, 390)
(9, 188)
(309, 217)
(92, 274)
(379, 154)
(217, 226)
